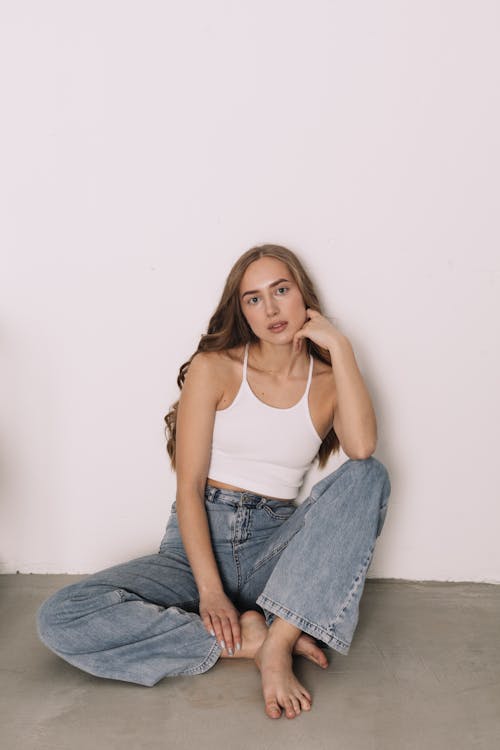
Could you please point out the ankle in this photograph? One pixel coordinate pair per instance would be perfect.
(283, 633)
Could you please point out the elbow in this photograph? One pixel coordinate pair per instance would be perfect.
(190, 488)
(362, 452)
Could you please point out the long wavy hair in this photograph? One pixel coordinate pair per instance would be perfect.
(228, 328)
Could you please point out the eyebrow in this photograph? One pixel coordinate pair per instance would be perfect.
(274, 283)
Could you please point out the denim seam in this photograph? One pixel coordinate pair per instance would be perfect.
(234, 549)
(237, 563)
(301, 622)
(272, 554)
(205, 665)
(355, 585)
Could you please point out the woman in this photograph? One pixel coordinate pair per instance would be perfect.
(242, 570)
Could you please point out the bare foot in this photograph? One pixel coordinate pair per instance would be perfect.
(280, 686)
(306, 646)
(254, 631)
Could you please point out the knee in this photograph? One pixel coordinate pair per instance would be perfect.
(371, 470)
(46, 620)
(368, 471)
(377, 475)
(53, 619)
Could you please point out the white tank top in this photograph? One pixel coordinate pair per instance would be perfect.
(263, 448)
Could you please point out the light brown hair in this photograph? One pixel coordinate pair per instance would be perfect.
(228, 328)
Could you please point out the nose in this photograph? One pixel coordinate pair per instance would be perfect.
(271, 307)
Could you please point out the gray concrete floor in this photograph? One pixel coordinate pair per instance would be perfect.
(423, 672)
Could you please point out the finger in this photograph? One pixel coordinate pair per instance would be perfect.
(208, 623)
(312, 312)
(228, 633)
(235, 625)
(218, 630)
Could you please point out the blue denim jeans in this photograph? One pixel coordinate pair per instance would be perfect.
(306, 563)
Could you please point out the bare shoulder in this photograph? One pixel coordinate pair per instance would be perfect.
(201, 378)
(220, 362)
(217, 370)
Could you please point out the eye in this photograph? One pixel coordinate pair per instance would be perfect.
(249, 301)
(282, 287)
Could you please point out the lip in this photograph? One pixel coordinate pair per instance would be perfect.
(283, 325)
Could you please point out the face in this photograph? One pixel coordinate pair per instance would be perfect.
(269, 294)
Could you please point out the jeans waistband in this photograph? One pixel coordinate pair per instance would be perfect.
(247, 499)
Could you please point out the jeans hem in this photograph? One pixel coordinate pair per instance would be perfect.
(306, 626)
(206, 664)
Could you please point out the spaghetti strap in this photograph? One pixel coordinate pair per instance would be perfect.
(255, 444)
(309, 378)
(245, 361)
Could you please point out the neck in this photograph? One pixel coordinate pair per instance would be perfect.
(277, 360)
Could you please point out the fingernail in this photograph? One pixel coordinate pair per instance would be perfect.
(230, 651)
(238, 646)
(212, 632)
(222, 644)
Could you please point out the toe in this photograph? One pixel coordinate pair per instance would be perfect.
(320, 657)
(289, 709)
(272, 709)
(305, 703)
(305, 695)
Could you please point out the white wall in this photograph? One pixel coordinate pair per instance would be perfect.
(144, 147)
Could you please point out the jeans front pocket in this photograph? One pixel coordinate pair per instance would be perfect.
(279, 513)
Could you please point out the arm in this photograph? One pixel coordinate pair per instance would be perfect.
(354, 421)
(195, 422)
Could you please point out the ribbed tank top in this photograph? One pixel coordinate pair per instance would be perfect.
(263, 448)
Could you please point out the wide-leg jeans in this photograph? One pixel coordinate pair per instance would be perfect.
(307, 563)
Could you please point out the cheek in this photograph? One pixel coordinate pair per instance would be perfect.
(297, 303)
(247, 314)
